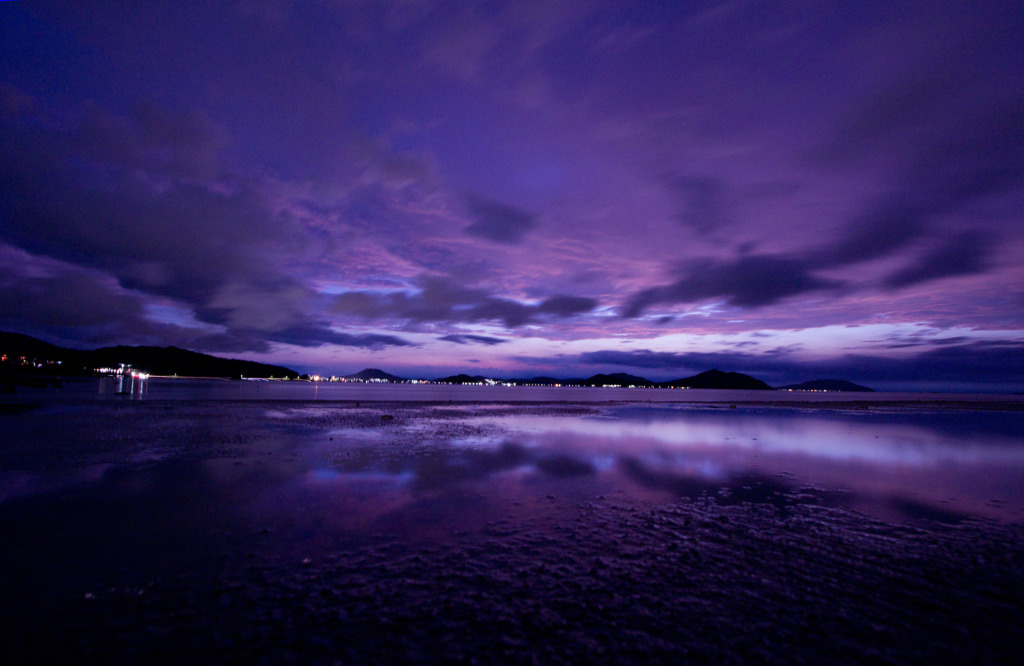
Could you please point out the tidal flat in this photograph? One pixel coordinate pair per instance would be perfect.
(277, 531)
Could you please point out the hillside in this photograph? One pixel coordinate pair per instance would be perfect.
(827, 385)
(44, 358)
(716, 379)
(615, 379)
(462, 379)
(373, 375)
(185, 363)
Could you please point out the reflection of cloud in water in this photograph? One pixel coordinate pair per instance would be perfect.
(445, 466)
(771, 433)
(907, 464)
(563, 466)
(875, 462)
(15, 484)
(326, 475)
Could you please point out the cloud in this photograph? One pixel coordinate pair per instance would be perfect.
(962, 364)
(974, 160)
(70, 299)
(987, 365)
(962, 254)
(468, 338)
(963, 161)
(886, 228)
(72, 306)
(144, 200)
(567, 306)
(702, 205)
(643, 358)
(949, 128)
(498, 222)
(749, 281)
(441, 300)
(316, 334)
(177, 143)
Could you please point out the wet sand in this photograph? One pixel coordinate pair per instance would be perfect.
(185, 537)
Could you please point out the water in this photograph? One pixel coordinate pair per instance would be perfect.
(868, 451)
(200, 494)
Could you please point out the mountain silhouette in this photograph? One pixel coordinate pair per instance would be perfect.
(827, 385)
(153, 360)
(716, 379)
(371, 374)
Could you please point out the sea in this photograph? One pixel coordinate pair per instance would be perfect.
(268, 522)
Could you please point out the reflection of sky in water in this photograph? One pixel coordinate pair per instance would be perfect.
(91, 489)
(309, 471)
(835, 439)
(892, 465)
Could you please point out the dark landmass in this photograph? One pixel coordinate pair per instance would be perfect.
(28, 356)
(716, 379)
(373, 374)
(42, 358)
(827, 385)
(17, 344)
(543, 381)
(462, 379)
(181, 362)
(712, 379)
(615, 379)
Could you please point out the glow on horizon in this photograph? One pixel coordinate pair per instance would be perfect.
(514, 355)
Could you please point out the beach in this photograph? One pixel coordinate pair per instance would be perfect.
(357, 532)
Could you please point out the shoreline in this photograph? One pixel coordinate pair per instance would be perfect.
(185, 389)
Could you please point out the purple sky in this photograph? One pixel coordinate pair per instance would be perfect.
(788, 189)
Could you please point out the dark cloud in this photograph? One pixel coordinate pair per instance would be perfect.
(750, 281)
(468, 338)
(498, 222)
(977, 157)
(567, 306)
(74, 307)
(885, 229)
(438, 300)
(126, 196)
(884, 115)
(157, 140)
(86, 306)
(643, 358)
(305, 336)
(995, 365)
(702, 203)
(679, 364)
(949, 128)
(981, 365)
(441, 300)
(66, 301)
(963, 254)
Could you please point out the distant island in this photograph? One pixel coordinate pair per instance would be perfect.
(716, 379)
(373, 375)
(25, 356)
(827, 385)
(711, 379)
